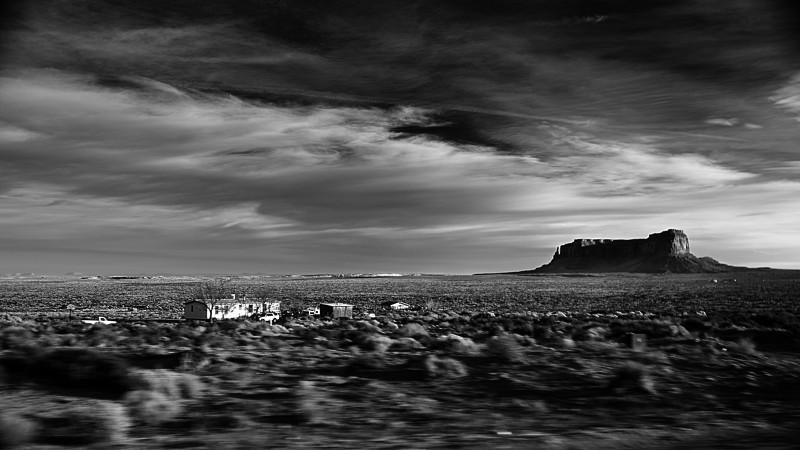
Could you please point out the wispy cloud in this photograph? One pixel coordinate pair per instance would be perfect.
(191, 167)
(444, 136)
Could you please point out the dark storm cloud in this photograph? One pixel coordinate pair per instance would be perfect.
(329, 128)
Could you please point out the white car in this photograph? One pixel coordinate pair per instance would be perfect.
(270, 317)
(99, 320)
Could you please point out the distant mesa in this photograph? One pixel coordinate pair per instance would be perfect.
(664, 252)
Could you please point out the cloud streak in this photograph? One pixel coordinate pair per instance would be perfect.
(170, 163)
(433, 137)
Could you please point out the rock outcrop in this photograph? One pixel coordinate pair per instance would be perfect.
(663, 252)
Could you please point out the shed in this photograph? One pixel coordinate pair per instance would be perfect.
(336, 310)
(195, 309)
(395, 305)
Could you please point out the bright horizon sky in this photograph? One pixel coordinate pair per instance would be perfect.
(395, 137)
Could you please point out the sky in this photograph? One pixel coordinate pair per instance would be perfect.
(349, 136)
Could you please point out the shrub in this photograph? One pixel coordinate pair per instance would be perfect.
(15, 337)
(82, 368)
(593, 333)
(632, 377)
(505, 348)
(174, 385)
(310, 403)
(162, 381)
(406, 343)
(445, 367)
(453, 343)
(413, 330)
(93, 423)
(152, 407)
(606, 348)
(100, 335)
(364, 364)
(15, 430)
(376, 343)
(744, 346)
(695, 325)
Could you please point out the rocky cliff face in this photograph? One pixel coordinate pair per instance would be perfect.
(670, 242)
(667, 251)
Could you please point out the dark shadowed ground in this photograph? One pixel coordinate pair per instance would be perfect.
(719, 370)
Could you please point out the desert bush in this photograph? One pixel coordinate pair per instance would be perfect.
(82, 368)
(632, 377)
(654, 329)
(364, 364)
(93, 423)
(15, 337)
(310, 403)
(376, 343)
(174, 385)
(590, 333)
(406, 343)
(437, 367)
(453, 343)
(537, 407)
(605, 348)
(151, 407)
(9, 318)
(413, 330)
(505, 348)
(695, 325)
(100, 335)
(215, 340)
(544, 333)
(15, 430)
(743, 346)
(367, 326)
(778, 319)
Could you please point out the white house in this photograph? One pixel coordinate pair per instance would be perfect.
(395, 305)
(227, 308)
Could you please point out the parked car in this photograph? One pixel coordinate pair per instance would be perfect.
(101, 319)
(270, 317)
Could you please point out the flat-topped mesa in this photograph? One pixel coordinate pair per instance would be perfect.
(667, 251)
(670, 242)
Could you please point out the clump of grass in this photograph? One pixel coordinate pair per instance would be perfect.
(444, 367)
(94, 423)
(406, 343)
(413, 330)
(453, 343)
(592, 333)
(81, 369)
(744, 346)
(174, 385)
(505, 348)
(536, 407)
(15, 430)
(632, 377)
(376, 343)
(15, 337)
(152, 408)
(605, 348)
(310, 403)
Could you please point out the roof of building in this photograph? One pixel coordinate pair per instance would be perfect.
(335, 304)
(225, 300)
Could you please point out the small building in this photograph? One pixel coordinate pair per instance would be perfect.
(395, 305)
(225, 308)
(336, 310)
